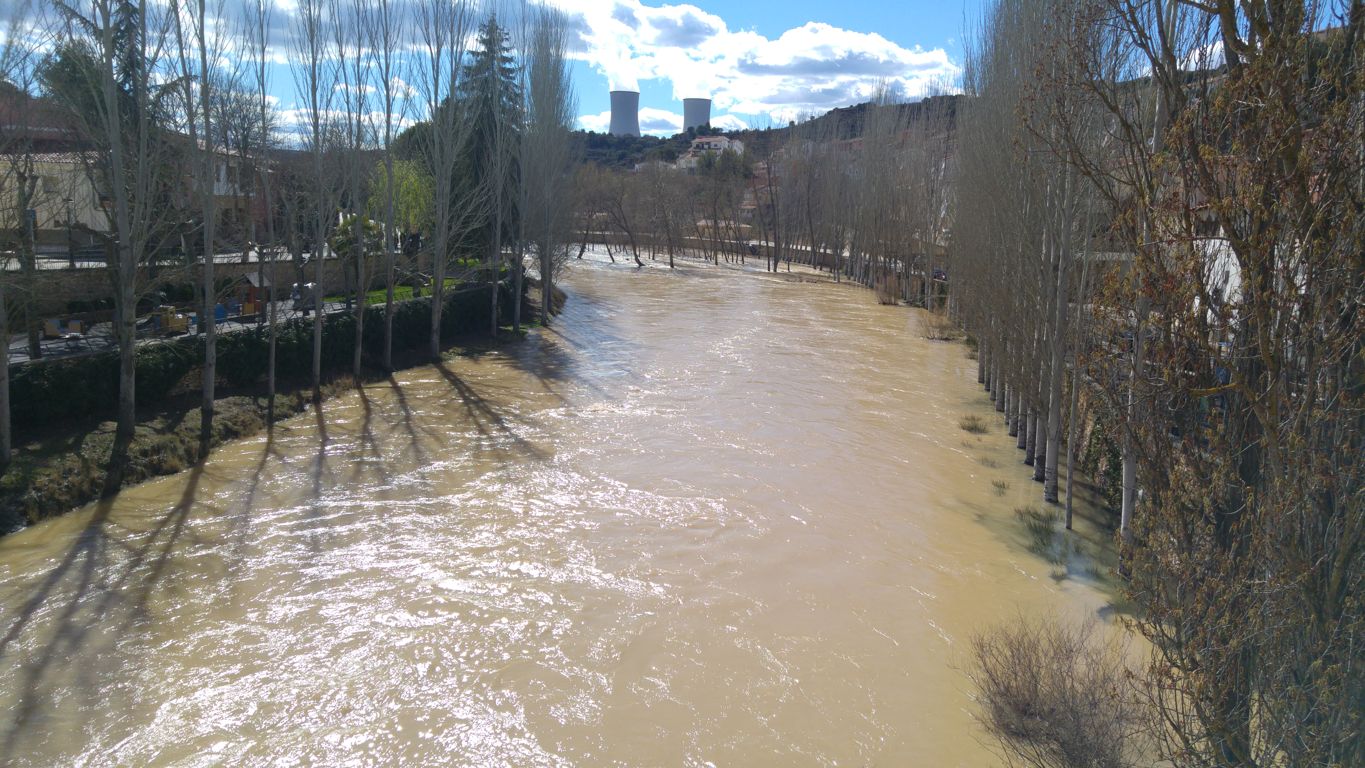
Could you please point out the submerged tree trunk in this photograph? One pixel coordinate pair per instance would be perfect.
(1039, 439)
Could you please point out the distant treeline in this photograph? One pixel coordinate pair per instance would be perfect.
(840, 124)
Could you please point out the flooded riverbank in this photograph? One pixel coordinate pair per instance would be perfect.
(709, 517)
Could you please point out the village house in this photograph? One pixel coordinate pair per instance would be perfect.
(708, 145)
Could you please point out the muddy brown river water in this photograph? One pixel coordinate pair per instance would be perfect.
(711, 518)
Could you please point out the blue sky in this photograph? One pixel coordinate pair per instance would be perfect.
(761, 62)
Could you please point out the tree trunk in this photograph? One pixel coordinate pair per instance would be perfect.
(438, 276)
(209, 209)
(547, 287)
(209, 324)
(28, 263)
(125, 326)
(361, 285)
(516, 290)
(6, 437)
(1073, 418)
(319, 248)
(274, 338)
(390, 261)
(1014, 418)
(1039, 437)
(1058, 336)
(495, 259)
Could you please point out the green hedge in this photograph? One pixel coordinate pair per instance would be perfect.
(57, 390)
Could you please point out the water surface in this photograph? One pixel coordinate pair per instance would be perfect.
(710, 518)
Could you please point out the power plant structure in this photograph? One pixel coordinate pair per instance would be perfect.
(696, 113)
(625, 113)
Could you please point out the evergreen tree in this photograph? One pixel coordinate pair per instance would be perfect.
(490, 99)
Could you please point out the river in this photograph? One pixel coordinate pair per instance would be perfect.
(712, 517)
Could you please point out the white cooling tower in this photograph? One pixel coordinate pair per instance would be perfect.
(625, 113)
(696, 113)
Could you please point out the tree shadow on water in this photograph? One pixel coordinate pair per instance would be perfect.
(73, 615)
(370, 454)
(491, 425)
(319, 474)
(241, 515)
(408, 426)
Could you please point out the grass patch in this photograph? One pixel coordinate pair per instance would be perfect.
(973, 424)
(987, 461)
(400, 293)
(1000, 486)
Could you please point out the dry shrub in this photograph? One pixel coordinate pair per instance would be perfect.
(973, 423)
(1056, 695)
(935, 326)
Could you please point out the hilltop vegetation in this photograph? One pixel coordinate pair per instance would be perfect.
(839, 124)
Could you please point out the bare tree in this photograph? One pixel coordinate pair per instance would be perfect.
(198, 73)
(313, 69)
(443, 28)
(121, 110)
(256, 31)
(350, 20)
(23, 35)
(387, 26)
(546, 151)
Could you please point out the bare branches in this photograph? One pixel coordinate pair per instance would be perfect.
(1058, 695)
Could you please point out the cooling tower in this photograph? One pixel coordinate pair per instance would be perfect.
(696, 113)
(625, 113)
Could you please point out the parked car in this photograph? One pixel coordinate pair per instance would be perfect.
(305, 297)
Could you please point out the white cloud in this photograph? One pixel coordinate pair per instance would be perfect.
(810, 68)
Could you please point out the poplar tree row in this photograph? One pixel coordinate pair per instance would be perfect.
(1161, 216)
(866, 198)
